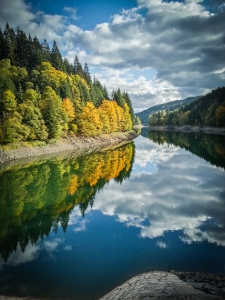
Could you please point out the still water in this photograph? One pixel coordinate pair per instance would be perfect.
(75, 228)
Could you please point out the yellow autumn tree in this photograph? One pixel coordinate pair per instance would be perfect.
(128, 121)
(68, 107)
(89, 123)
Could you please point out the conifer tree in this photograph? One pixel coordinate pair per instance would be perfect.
(87, 75)
(21, 49)
(10, 43)
(77, 67)
(56, 58)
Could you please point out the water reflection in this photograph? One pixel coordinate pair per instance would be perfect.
(171, 190)
(67, 230)
(39, 197)
(209, 147)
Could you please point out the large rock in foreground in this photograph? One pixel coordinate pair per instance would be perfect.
(157, 286)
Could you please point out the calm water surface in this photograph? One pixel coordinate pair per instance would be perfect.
(75, 228)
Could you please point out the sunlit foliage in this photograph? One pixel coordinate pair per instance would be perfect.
(45, 97)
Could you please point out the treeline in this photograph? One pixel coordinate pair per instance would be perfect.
(168, 106)
(29, 209)
(43, 96)
(208, 110)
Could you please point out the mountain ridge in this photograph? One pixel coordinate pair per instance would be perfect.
(172, 105)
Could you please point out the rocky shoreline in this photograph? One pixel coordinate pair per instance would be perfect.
(174, 285)
(66, 145)
(189, 128)
(212, 284)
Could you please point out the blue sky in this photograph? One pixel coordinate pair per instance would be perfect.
(89, 13)
(156, 50)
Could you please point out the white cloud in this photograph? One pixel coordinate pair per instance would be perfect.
(183, 42)
(72, 11)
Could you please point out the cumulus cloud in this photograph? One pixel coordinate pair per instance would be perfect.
(181, 44)
(183, 194)
(16, 13)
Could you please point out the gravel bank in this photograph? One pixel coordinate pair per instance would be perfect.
(188, 128)
(69, 144)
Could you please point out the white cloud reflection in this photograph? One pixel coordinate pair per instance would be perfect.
(183, 194)
(19, 257)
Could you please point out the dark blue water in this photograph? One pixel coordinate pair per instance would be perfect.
(165, 210)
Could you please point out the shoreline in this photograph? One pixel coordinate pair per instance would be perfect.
(189, 128)
(170, 285)
(66, 145)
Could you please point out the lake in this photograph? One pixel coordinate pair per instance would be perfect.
(77, 227)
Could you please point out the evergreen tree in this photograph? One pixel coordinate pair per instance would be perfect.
(87, 75)
(46, 52)
(56, 58)
(77, 67)
(21, 49)
(105, 93)
(10, 43)
(68, 66)
(3, 46)
(118, 98)
(127, 99)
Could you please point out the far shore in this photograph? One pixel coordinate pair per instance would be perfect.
(78, 145)
(189, 128)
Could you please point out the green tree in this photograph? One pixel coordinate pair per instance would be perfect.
(54, 116)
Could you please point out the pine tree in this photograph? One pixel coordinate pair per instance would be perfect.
(56, 58)
(46, 52)
(10, 39)
(127, 99)
(77, 67)
(87, 75)
(21, 49)
(117, 96)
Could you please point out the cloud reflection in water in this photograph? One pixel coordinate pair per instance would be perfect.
(183, 193)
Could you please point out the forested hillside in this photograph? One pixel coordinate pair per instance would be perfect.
(43, 96)
(208, 110)
(169, 106)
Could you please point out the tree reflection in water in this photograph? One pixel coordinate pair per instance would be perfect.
(39, 196)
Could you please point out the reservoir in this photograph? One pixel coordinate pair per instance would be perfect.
(77, 227)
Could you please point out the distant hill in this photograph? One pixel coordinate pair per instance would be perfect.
(208, 110)
(172, 105)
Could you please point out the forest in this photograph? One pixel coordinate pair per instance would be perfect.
(167, 106)
(43, 96)
(41, 195)
(208, 110)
